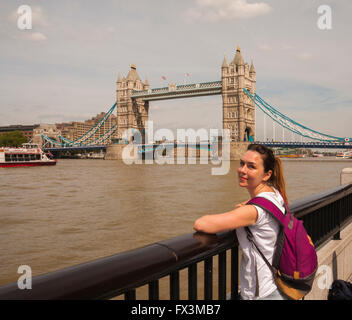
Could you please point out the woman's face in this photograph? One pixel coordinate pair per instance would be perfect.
(251, 170)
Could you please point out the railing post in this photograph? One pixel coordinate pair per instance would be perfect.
(337, 235)
(192, 282)
(130, 295)
(175, 285)
(234, 273)
(153, 290)
(208, 278)
(222, 276)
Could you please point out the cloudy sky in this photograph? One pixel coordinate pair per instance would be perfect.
(65, 68)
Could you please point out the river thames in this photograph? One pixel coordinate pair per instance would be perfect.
(80, 210)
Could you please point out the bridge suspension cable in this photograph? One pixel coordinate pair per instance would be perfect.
(91, 131)
(54, 142)
(83, 139)
(290, 124)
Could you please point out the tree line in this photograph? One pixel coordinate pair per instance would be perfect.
(12, 139)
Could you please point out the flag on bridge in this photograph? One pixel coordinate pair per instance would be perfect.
(186, 76)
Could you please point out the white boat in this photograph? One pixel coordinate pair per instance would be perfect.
(27, 156)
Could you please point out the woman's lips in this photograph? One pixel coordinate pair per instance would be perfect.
(242, 179)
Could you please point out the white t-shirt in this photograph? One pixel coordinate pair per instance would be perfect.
(265, 232)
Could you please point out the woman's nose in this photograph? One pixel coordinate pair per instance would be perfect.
(242, 169)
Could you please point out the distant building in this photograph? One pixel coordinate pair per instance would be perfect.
(74, 130)
(49, 130)
(26, 130)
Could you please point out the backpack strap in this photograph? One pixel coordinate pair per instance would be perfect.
(251, 240)
(277, 214)
(271, 208)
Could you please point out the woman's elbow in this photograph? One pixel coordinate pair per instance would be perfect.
(202, 225)
(197, 225)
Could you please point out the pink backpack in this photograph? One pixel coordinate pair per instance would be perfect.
(295, 259)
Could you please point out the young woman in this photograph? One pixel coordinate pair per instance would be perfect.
(260, 172)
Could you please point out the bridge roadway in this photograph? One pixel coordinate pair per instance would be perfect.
(179, 91)
(277, 144)
(76, 148)
(312, 145)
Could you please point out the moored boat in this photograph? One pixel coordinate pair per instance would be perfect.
(339, 155)
(27, 156)
(291, 155)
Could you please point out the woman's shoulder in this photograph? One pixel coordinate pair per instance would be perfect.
(275, 197)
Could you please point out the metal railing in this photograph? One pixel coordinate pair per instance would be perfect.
(324, 215)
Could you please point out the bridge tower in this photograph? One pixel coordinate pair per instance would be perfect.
(238, 109)
(132, 113)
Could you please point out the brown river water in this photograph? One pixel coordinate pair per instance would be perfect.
(80, 210)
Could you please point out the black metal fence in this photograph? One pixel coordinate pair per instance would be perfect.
(324, 215)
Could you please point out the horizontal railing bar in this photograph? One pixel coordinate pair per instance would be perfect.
(311, 203)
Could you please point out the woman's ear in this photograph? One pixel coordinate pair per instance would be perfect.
(267, 175)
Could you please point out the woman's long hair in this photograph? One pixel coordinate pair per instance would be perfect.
(273, 163)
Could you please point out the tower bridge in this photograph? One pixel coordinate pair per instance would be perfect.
(237, 88)
(238, 109)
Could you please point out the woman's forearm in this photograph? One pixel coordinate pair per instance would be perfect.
(242, 216)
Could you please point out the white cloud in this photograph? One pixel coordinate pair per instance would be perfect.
(39, 19)
(304, 56)
(216, 10)
(31, 36)
(36, 36)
